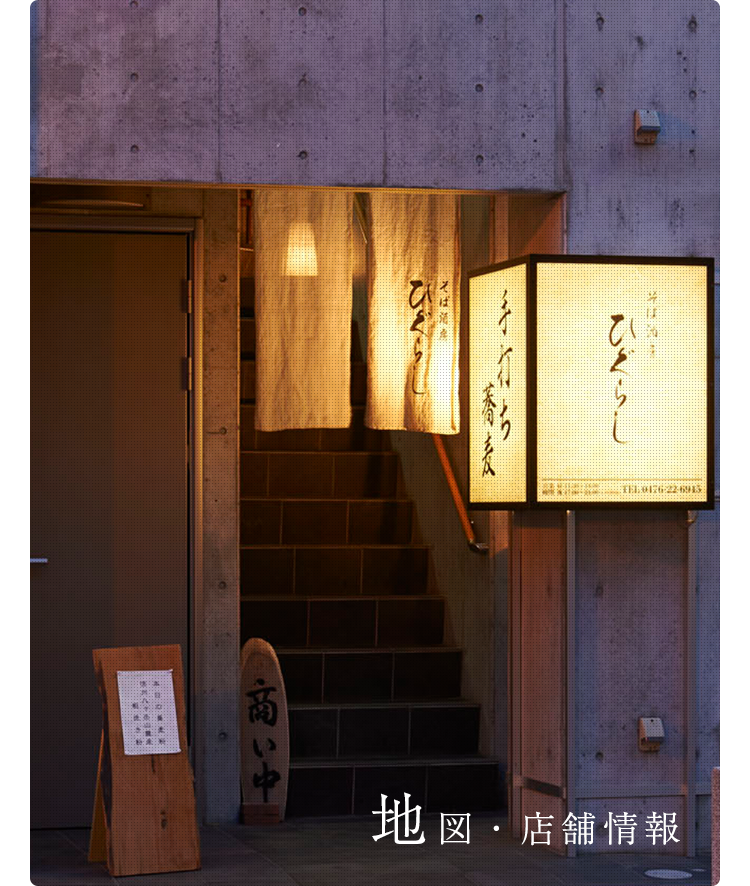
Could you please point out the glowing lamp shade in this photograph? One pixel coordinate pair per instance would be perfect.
(301, 256)
(591, 383)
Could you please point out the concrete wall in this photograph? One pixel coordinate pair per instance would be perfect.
(635, 636)
(326, 93)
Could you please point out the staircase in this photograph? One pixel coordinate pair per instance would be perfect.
(334, 577)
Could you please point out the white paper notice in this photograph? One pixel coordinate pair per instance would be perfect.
(149, 716)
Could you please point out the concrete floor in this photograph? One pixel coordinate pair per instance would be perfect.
(341, 852)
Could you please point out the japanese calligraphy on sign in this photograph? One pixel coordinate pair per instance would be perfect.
(264, 730)
(261, 707)
(497, 386)
(610, 400)
(621, 382)
(148, 713)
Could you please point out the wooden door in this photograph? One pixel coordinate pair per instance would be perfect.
(109, 490)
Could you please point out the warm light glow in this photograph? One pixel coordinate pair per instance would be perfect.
(301, 257)
(497, 387)
(621, 382)
(620, 397)
(413, 314)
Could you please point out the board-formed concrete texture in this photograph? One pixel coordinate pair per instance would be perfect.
(371, 94)
(633, 199)
(637, 199)
(125, 91)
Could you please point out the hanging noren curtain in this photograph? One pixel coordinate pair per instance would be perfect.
(303, 308)
(414, 312)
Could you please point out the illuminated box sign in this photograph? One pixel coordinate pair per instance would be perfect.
(591, 382)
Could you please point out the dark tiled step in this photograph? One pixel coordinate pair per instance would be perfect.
(355, 438)
(343, 623)
(323, 571)
(336, 787)
(318, 474)
(326, 522)
(358, 381)
(360, 676)
(396, 729)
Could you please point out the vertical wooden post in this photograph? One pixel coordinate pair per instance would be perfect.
(570, 662)
(540, 670)
(515, 779)
(691, 590)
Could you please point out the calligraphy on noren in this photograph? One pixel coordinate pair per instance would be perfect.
(424, 326)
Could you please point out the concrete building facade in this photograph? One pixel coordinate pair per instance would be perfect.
(578, 623)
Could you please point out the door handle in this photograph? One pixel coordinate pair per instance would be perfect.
(39, 560)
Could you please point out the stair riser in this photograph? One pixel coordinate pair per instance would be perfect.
(357, 789)
(355, 438)
(340, 572)
(383, 732)
(342, 475)
(344, 624)
(343, 677)
(267, 522)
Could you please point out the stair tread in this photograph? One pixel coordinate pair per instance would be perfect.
(365, 650)
(433, 760)
(352, 362)
(337, 453)
(333, 598)
(377, 705)
(339, 546)
(387, 499)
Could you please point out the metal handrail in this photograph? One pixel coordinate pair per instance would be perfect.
(477, 547)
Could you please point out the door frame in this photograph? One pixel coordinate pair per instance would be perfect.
(193, 228)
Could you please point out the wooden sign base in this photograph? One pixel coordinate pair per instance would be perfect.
(144, 819)
(98, 837)
(260, 813)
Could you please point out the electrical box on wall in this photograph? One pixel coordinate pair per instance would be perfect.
(650, 733)
(646, 126)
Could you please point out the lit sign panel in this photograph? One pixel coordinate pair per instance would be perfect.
(618, 382)
(497, 386)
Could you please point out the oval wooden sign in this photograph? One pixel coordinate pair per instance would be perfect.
(264, 734)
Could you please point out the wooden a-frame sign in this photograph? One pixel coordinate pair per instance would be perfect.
(144, 818)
